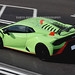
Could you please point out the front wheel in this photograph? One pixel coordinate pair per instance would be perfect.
(1, 43)
(42, 51)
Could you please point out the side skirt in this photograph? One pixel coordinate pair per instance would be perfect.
(20, 50)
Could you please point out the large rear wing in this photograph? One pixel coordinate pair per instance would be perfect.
(67, 29)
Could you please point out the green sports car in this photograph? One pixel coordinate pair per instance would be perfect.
(40, 36)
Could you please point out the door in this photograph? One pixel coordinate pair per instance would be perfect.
(15, 37)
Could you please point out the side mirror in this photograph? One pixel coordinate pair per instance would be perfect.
(5, 31)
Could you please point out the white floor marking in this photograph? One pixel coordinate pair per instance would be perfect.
(35, 13)
(11, 70)
(6, 73)
(6, 21)
(2, 10)
(72, 15)
(34, 10)
(10, 22)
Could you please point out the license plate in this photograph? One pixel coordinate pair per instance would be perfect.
(73, 47)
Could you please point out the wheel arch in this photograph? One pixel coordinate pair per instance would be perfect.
(41, 44)
(42, 51)
(31, 44)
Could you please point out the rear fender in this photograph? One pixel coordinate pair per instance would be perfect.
(31, 44)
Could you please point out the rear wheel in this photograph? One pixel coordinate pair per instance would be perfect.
(42, 51)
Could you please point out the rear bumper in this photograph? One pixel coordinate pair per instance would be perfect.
(66, 48)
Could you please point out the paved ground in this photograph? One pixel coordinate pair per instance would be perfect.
(6, 69)
(63, 8)
(57, 65)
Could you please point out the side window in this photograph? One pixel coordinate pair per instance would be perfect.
(17, 28)
(29, 30)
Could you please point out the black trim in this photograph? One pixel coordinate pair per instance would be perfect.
(27, 49)
(58, 31)
(44, 25)
(52, 29)
(59, 26)
(60, 41)
(49, 27)
(67, 29)
(8, 72)
(55, 51)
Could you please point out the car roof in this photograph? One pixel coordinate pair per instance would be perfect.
(34, 21)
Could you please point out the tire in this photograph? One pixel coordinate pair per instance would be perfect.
(1, 43)
(42, 51)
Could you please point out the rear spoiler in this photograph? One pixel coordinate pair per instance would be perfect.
(66, 29)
